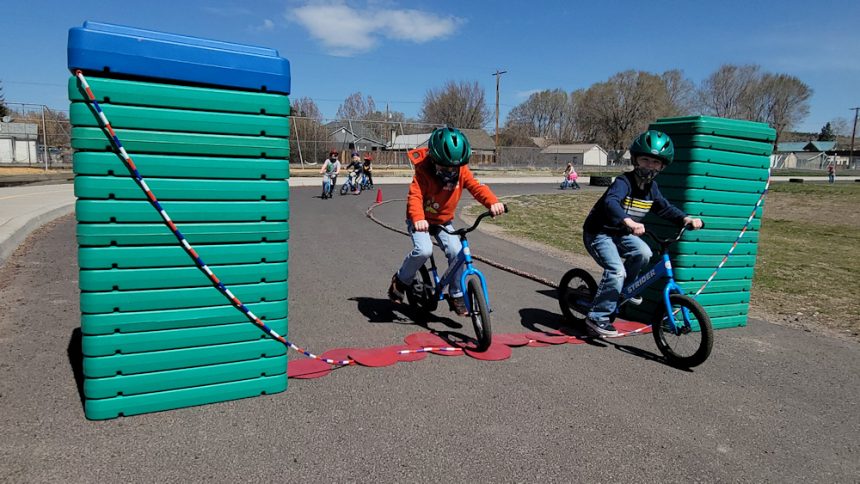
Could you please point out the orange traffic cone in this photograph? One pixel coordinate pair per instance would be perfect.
(378, 195)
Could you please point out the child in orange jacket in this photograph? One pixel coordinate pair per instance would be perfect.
(441, 175)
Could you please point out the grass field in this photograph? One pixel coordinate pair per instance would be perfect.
(809, 249)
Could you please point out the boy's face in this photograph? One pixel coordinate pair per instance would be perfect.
(649, 163)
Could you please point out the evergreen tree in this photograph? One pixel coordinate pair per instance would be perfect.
(4, 110)
(826, 133)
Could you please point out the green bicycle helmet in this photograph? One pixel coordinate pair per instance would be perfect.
(655, 144)
(449, 147)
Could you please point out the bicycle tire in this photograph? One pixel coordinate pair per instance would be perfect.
(344, 189)
(421, 294)
(672, 345)
(480, 313)
(576, 287)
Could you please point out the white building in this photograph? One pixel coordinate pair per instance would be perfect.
(588, 154)
(18, 142)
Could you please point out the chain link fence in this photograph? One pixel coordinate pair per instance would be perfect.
(34, 135)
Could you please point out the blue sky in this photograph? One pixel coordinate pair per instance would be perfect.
(396, 50)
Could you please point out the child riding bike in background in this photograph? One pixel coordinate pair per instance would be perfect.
(355, 170)
(367, 167)
(440, 177)
(612, 230)
(329, 171)
(570, 177)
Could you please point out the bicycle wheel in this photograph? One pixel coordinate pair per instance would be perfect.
(690, 345)
(421, 294)
(344, 189)
(575, 294)
(479, 313)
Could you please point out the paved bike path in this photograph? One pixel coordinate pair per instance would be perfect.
(772, 403)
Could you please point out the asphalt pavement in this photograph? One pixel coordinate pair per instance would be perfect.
(771, 404)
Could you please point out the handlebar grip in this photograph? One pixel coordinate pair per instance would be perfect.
(506, 207)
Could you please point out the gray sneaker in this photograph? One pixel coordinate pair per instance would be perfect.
(604, 328)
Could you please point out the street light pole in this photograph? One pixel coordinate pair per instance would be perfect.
(853, 132)
(498, 75)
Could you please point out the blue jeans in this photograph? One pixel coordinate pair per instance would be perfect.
(422, 248)
(621, 258)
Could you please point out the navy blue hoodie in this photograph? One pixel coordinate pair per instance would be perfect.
(625, 199)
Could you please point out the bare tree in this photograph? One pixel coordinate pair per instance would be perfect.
(681, 93)
(544, 114)
(728, 92)
(308, 137)
(305, 107)
(356, 106)
(458, 104)
(515, 135)
(785, 99)
(613, 112)
(841, 126)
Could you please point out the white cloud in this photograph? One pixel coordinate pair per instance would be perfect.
(266, 26)
(345, 30)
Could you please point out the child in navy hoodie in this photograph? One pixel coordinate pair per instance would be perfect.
(612, 230)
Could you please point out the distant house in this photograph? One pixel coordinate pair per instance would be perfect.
(806, 155)
(354, 136)
(403, 142)
(809, 146)
(588, 154)
(18, 142)
(483, 146)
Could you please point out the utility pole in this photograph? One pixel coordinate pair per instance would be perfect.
(853, 132)
(45, 139)
(498, 75)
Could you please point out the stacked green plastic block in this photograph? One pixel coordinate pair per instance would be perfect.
(720, 172)
(156, 334)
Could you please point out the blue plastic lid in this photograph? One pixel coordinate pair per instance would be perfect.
(131, 52)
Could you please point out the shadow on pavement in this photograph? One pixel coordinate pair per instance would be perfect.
(645, 354)
(378, 310)
(76, 361)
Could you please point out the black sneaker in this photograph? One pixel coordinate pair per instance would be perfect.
(602, 328)
(458, 306)
(397, 290)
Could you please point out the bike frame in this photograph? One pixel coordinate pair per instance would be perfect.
(464, 257)
(329, 182)
(655, 273)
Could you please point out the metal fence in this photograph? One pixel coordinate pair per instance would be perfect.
(34, 135)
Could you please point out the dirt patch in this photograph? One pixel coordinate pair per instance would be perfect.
(24, 170)
(814, 203)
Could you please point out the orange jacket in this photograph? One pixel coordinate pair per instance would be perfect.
(429, 201)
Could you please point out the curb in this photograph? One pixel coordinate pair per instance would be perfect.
(20, 234)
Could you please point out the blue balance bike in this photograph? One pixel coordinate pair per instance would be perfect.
(428, 288)
(681, 327)
(328, 186)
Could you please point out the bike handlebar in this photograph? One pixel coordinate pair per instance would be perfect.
(465, 231)
(671, 240)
